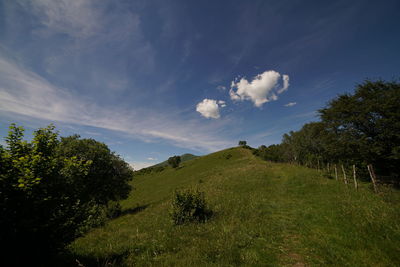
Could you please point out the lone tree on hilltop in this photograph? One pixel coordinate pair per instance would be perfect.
(174, 161)
(242, 143)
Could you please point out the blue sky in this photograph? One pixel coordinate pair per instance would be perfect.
(156, 78)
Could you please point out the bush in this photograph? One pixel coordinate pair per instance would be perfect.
(114, 209)
(228, 156)
(189, 206)
(53, 189)
(174, 161)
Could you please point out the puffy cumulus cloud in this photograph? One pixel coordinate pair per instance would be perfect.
(291, 104)
(263, 88)
(209, 108)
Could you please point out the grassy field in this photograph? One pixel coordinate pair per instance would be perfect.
(265, 214)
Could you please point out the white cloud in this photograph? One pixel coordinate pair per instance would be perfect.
(209, 108)
(285, 79)
(263, 88)
(78, 18)
(291, 104)
(23, 92)
(151, 158)
(221, 103)
(85, 26)
(137, 165)
(221, 88)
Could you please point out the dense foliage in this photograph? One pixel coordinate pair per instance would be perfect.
(355, 129)
(52, 189)
(242, 143)
(149, 170)
(174, 161)
(189, 206)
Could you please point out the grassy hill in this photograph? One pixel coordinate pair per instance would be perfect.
(265, 214)
(184, 157)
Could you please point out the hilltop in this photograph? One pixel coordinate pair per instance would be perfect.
(265, 214)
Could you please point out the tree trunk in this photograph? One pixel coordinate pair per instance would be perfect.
(336, 173)
(344, 175)
(354, 176)
(373, 177)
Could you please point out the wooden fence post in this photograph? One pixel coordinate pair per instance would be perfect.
(328, 168)
(373, 176)
(336, 173)
(344, 175)
(354, 176)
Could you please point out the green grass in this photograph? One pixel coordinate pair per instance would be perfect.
(264, 214)
(184, 157)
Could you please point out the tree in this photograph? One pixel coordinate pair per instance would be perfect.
(367, 125)
(242, 143)
(52, 189)
(174, 161)
(355, 129)
(108, 175)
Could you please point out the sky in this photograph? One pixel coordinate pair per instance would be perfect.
(152, 79)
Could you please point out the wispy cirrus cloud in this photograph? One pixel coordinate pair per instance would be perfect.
(78, 18)
(290, 104)
(26, 93)
(82, 40)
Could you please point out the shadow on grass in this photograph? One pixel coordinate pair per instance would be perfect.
(134, 210)
(180, 167)
(328, 176)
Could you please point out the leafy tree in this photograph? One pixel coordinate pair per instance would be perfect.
(51, 190)
(355, 129)
(271, 153)
(242, 143)
(108, 175)
(174, 161)
(367, 125)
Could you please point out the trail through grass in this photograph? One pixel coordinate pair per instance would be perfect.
(265, 214)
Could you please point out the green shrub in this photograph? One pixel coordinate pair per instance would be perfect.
(114, 209)
(174, 161)
(54, 189)
(189, 206)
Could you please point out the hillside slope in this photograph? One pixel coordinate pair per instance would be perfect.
(184, 157)
(265, 214)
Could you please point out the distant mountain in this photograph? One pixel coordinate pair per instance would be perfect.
(184, 157)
